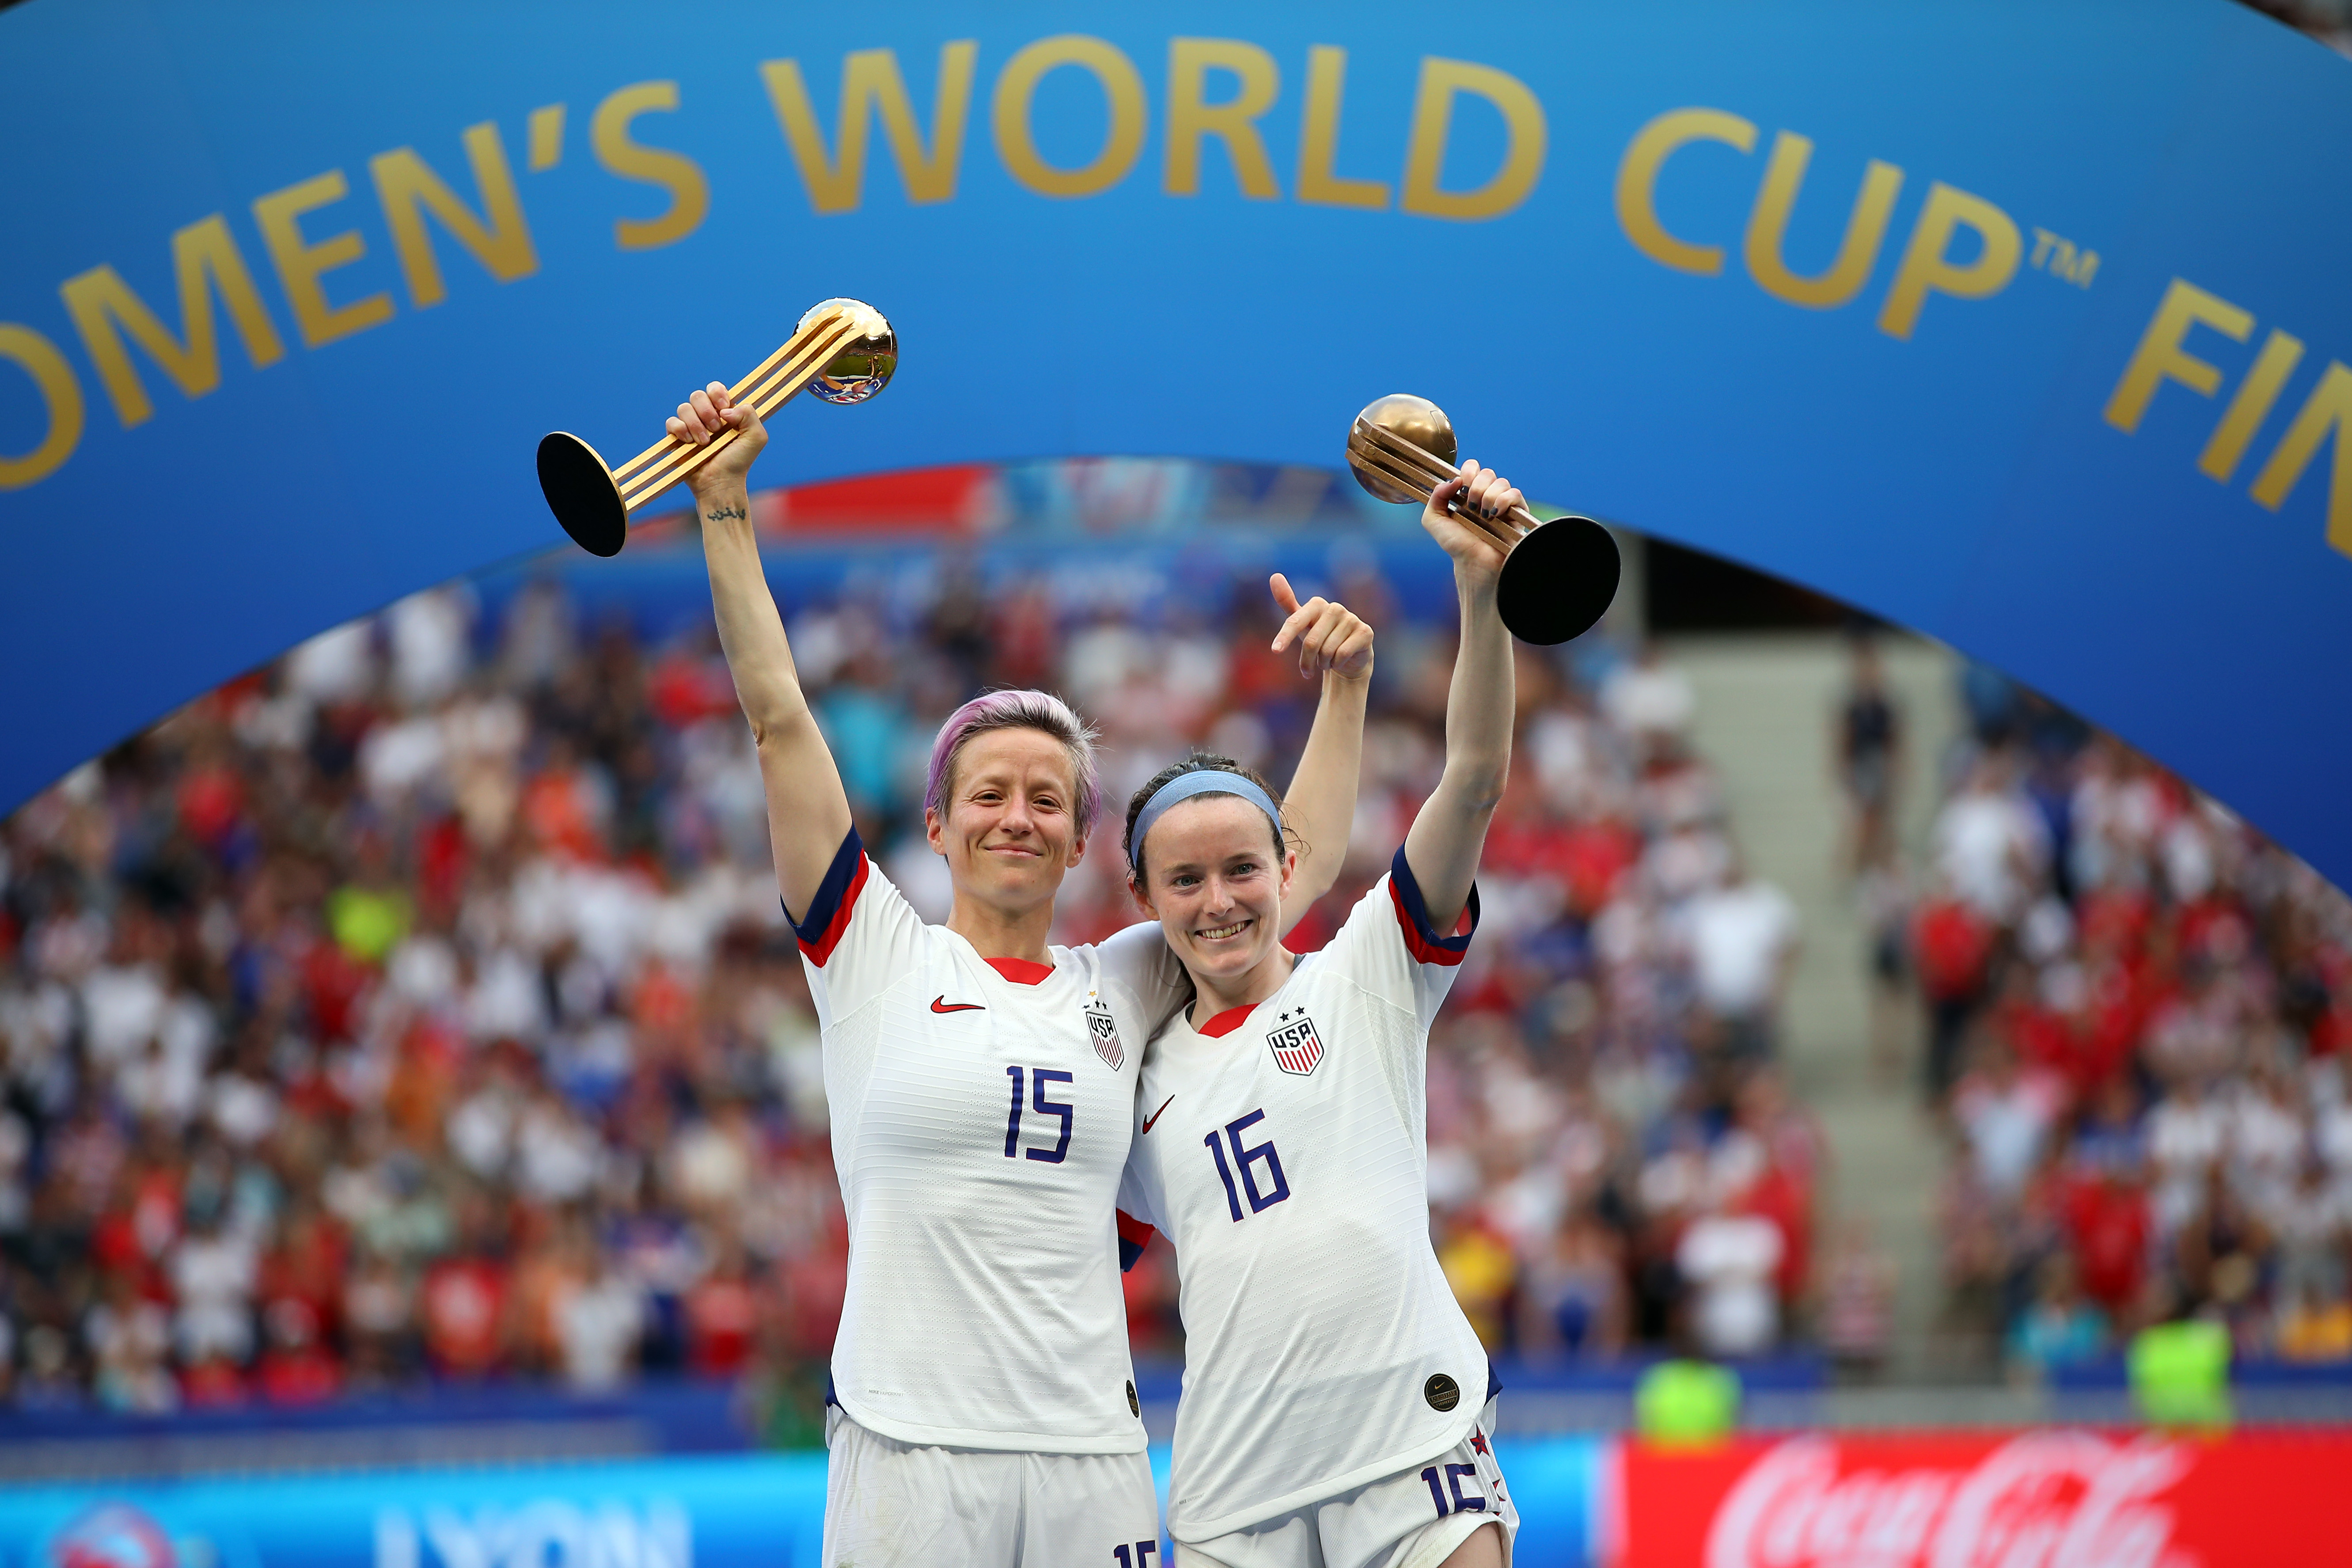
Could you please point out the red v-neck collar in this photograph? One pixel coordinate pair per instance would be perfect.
(1020, 971)
(1233, 1018)
(1226, 1022)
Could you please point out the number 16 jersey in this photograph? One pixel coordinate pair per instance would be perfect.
(1282, 1150)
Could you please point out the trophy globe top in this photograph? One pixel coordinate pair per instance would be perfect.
(861, 367)
(1415, 419)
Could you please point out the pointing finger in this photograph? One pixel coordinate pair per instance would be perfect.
(1284, 599)
(1295, 626)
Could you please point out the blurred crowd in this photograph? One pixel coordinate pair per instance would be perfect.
(419, 1006)
(2138, 1018)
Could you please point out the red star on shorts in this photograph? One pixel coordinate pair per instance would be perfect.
(1478, 1443)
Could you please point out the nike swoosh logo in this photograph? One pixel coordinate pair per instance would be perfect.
(1155, 1115)
(940, 1003)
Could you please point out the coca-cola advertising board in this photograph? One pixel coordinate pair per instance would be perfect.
(2056, 1498)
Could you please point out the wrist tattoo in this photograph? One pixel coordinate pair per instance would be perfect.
(723, 512)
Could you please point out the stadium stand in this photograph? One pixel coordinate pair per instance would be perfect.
(418, 1011)
(2140, 1011)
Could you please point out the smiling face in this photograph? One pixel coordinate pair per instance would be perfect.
(1215, 880)
(1010, 828)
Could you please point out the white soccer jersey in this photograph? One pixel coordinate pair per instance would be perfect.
(982, 1112)
(1282, 1150)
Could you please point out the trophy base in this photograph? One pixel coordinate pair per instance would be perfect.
(1557, 581)
(581, 493)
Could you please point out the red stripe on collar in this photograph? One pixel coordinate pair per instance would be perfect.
(1226, 1022)
(1020, 971)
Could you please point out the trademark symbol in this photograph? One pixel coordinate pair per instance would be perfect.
(2063, 259)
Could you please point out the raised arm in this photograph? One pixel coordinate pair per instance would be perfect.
(1336, 644)
(808, 811)
(1449, 830)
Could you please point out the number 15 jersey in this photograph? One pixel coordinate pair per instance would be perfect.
(982, 1112)
(1282, 1150)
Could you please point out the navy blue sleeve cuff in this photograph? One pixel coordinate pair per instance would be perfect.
(1134, 1236)
(836, 897)
(1412, 914)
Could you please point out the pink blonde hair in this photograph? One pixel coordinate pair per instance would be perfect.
(1039, 711)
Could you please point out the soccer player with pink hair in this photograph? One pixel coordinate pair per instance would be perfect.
(982, 1082)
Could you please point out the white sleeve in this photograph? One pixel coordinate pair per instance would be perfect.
(1143, 974)
(859, 936)
(1389, 948)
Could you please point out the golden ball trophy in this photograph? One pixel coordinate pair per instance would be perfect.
(1558, 576)
(842, 351)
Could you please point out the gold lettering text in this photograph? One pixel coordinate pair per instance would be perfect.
(546, 137)
(204, 256)
(1637, 183)
(301, 264)
(1234, 121)
(407, 187)
(623, 154)
(1433, 117)
(2160, 358)
(1017, 89)
(2326, 412)
(2256, 394)
(871, 85)
(1768, 227)
(1927, 266)
(60, 393)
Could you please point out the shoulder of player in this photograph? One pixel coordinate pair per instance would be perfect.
(1354, 960)
(1126, 956)
(855, 902)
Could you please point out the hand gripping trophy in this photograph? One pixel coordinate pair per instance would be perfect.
(842, 351)
(1558, 576)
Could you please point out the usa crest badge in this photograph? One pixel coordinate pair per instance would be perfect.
(1103, 1029)
(1296, 1047)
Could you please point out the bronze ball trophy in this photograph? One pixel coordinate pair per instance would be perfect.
(1558, 576)
(843, 351)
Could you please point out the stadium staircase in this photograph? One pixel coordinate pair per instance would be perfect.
(1766, 704)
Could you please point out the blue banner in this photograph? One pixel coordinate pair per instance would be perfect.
(751, 1510)
(756, 1510)
(2021, 323)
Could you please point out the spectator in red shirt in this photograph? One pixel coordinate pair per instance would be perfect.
(306, 1265)
(465, 1306)
(2107, 1221)
(467, 1331)
(213, 1383)
(1952, 946)
(722, 1316)
(296, 1368)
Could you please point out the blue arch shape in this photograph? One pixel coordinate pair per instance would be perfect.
(1960, 444)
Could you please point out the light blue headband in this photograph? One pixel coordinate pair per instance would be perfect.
(1200, 781)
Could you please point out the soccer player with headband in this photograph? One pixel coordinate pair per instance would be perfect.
(1337, 1405)
(983, 1410)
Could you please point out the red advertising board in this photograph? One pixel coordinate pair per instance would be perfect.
(2053, 1499)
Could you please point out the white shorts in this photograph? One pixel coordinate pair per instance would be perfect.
(1414, 1519)
(889, 1503)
